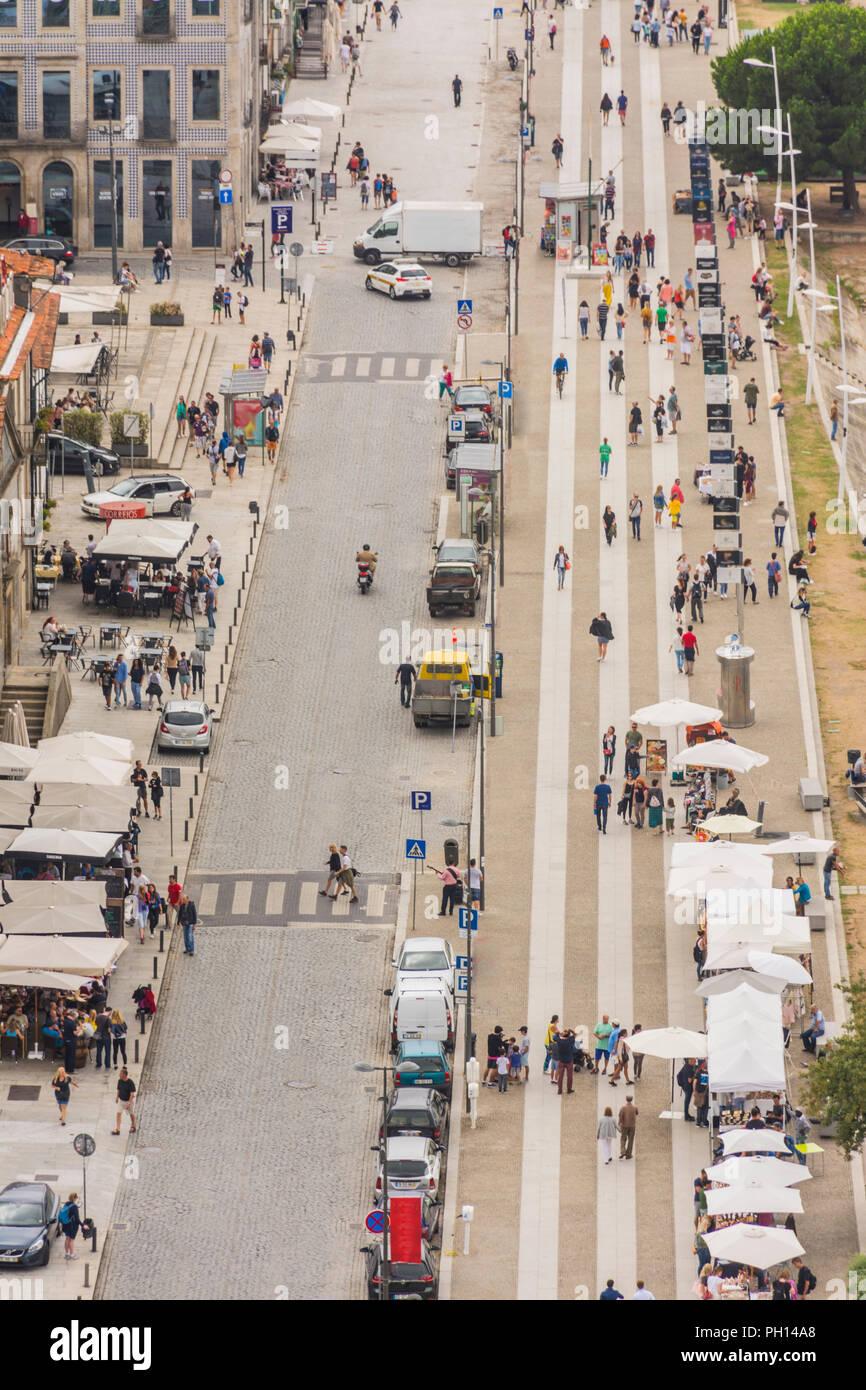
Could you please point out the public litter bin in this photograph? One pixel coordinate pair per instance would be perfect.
(498, 677)
(738, 710)
(451, 851)
(482, 531)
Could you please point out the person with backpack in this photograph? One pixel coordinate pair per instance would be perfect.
(452, 888)
(69, 1221)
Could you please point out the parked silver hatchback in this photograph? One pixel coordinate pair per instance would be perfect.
(186, 724)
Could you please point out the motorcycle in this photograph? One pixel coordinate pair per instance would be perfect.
(365, 576)
(511, 55)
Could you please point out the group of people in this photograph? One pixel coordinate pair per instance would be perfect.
(507, 1059)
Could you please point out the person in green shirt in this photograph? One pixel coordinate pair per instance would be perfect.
(661, 320)
(602, 1034)
(604, 452)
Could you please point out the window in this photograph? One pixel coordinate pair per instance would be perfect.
(8, 106)
(206, 94)
(106, 94)
(102, 201)
(58, 184)
(106, 9)
(157, 203)
(210, 8)
(156, 104)
(8, 14)
(55, 14)
(206, 219)
(56, 104)
(155, 16)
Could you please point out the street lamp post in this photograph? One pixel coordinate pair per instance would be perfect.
(108, 98)
(495, 362)
(467, 1031)
(759, 63)
(386, 1204)
(792, 206)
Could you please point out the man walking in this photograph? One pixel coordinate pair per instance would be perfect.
(268, 346)
(457, 88)
(248, 271)
(627, 1119)
(173, 895)
(750, 396)
(601, 803)
(124, 1100)
(696, 599)
(774, 572)
(649, 246)
(686, 1083)
(622, 107)
(618, 372)
(635, 507)
(690, 644)
(779, 519)
(406, 674)
(187, 918)
(121, 672)
(832, 864)
(604, 452)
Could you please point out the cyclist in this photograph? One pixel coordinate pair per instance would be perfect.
(560, 370)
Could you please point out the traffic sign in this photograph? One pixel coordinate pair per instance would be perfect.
(296, 249)
(131, 426)
(225, 195)
(456, 427)
(416, 849)
(464, 915)
(281, 218)
(464, 306)
(225, 175)
(506, 390)
(524, 132)
(375, 1222)
(462, 988)
(497, 12)
(464, 321)
(422, 801)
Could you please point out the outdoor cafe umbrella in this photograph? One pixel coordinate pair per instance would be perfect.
(797, 845)
(92, 745)
(718, 753)
(694, 881)
(77, 794)
(731, 825)
(15, 725)
(78, 767)
(14, 813)
(783, 968)
(745, 1141)
(732, 979)
(715, 852)
(15, 759)
(731, 1201)
(757, 1246)
(80, 818)
(92, 846)
(43, 893)
(72, 956)
(311, 106)
(757, 1171)
(669, 713)
(671, 1043)
(60, 919)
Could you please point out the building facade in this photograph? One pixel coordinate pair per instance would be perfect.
(187, 86)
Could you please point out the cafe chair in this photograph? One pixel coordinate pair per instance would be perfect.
(125, 604)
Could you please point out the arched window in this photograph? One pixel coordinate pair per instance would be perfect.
(58, 190)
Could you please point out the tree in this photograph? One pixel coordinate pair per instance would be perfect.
(835, 1087)
(821, 61)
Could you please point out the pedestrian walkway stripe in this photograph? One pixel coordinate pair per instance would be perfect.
(207, 899)
(241, 897)
(308, 900)
(270, 898)
(275, 898)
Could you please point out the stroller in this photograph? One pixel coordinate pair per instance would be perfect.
(145, 1004)
(744, 352)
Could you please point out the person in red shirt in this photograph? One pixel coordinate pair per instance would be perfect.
(676, 490)
(172, 900)
(690, 643)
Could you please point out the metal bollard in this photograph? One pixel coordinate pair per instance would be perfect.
(222, 673)
(244, 580)
(161, 939)
(87, 1276)
(186, 830)
(201, 769)
(195, 789)
(155, 970)
(235, 617)
(239, 598)
(142, 1027)
(191, 809)
(135, 1053)
(93, 1237)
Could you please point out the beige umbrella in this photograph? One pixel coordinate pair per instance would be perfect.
(732, 979)
(15, 759)
(15, 725)
(79, 818)
(42, 893)
(71, 956)
(731, 825)
(14, 813)
(39, 979)
(757, 1246)
(77, 767)
(61, 919)
(93, 846)
(91, 745)
(744, 1141)
(74, 794)
(734, 1201)
(757, 1171)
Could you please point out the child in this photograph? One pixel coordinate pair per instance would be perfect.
(502, 1070)
(515, 1063)
(670, 816)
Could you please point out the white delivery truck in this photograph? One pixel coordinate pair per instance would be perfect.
(450, 232)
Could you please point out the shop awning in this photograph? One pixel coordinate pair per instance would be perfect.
(73, 360)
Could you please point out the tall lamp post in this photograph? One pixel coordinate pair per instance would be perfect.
(495, 362)
(792, 206)
(759, 63)
(467, 1032)
(406, 1067)
(108, 99)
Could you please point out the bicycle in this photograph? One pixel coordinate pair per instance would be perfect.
(560, 378)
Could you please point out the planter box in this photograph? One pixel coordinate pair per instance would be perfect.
(105, 316)
(167, 320)
(139, 451)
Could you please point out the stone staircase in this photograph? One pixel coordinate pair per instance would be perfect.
(30, 686)
(186, 362)
(309, 63)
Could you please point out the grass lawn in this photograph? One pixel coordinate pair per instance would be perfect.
(752, 14)
(838, 606)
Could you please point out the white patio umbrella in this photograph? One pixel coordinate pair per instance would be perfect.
(15, 725)
(731, 825)
(747, 1141)
(758, 1246)
(749, 904)
(777, 934)
(797, 845)
(718, 753)
(77, 794)
(39, 979)
(43, 893)
(311, 106)
(301, 130)
(15, 759)
(723, 853)
(727, 957)
(93, 846)
(92, 745)
(758, 1171)
(80, 818)
(671, 1043)
(732, 979)
(71, 956)
(693, 880)
(783, 968)
(675, 711)
(76, 767)
(733, 1201)
(70, 919)
(14, 813)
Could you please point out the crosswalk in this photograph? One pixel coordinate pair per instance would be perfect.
(356, 366)
(226, 899)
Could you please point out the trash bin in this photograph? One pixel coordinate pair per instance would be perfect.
(451, 851)
(738, 710)
(482, 531)
(497, 683)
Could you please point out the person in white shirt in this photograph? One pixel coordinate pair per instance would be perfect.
(215, 551)
(474, 878)
(714, 1282)
(642, 1293)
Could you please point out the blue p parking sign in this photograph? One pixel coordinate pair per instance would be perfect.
(281, 218)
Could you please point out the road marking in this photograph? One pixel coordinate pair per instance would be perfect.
(412, 365)
(340, 908)
(387, 367)
(241, 897)
(309, 900)
(207, 899)
(362, 366)
(538, 1252)
(275, 898)
(338, 366)
(375, 904)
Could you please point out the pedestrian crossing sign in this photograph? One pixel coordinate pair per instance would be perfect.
(464, 306)
(416, 849)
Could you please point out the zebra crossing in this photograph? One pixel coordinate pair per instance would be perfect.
(358, 366)
(227, 899)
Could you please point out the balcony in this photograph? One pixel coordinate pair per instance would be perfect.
(161, 132)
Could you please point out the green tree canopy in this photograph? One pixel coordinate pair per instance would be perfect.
(821, 60)
(835, 1087)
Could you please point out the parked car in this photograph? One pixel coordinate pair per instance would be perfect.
(453, 584)
(460, 548)
(160, 492)
(405, 1280)
(414, 1165)
(28, 1211)
(430, 1063)
(425, 956)
(56, 248)
(65, 455)
(186, 724)
(477, 428)
(415, 1112)
(473, 397)
(422, 1008)
(400, 279)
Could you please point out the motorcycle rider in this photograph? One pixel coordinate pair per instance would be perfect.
(368, 557)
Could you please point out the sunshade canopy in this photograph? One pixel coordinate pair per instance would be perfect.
(797, 845)
(15, 760)
(105, 818)
(696, 881)
(78, 794)
(92, 745)
(312, 107)
(733, 1201)
(731, 825)
(61, 919)
(778, 933)
(73, 360)
(732, 979)
(33, 893)
(758, 1246)
(749, 1141)
(42, 979)
(76, 767)
(757, 1171)
(718, 753)
(782, 968)
(715, 853)
(668, 713)
(672, 1042)
(94, 847)
(71, 957)
(144, 542)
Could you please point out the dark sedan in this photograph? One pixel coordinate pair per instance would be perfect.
(406, 1280)
(28, 1211)
(56, 248)
(474, 397)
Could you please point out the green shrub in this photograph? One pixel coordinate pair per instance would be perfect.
(115, 420)
(85, 425)
(168, 309)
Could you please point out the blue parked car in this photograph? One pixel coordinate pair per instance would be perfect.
(430, 1058)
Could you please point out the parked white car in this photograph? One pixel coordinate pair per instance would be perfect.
(413, 1166)
(426, 956)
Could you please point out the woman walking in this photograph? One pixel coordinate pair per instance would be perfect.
(180, 416)
(678, 648)
(118, 1037)
(608, 748)
(561, 564)
(136, 679)
(217, 305)
(639, 802)
(156, 794)
(607, 1132)
(550, 1047)
(583, 318)
(61, 1082)
(154, 688)
(184, 675)
(659, 503)
(69, 1221)
(624, 805)
(334, 865)
(608, 521)
(171, 666)
(142, 908)
(602, 631)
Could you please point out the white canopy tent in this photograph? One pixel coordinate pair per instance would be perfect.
(761, 1247)
(749, 905)
(91, 846)
(15, 761)
(92, 744)
(780, 933)
(732, 979)
(758, 1171)
(691, 880)
(75, 359)
(719, 753)
(298, 130)
(304, 153)
(747, 1066)
(715, 853)
(76, 767)
(312, 107)
(744, 1048)
(59, 919)
(80, 956)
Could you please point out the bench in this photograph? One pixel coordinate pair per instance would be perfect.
(837, 194)
(811, 795)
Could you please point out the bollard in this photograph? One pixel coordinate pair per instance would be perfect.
(195, 792)
(222, 673)
(93, 1237)
(186, 830)
(87, 1276)
(141, 1020)
(235, 617)
(239, 598)
(216, 695)
(244, 580)
(225, 658)
(155, 971)
(135, 1053)
(191, 809)
(162, 939)
(201, 769)
(229, 642)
